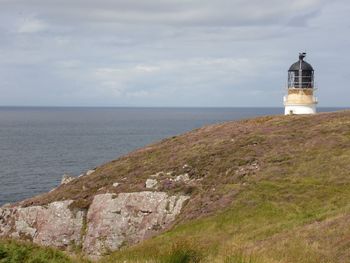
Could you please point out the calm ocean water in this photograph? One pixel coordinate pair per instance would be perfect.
(39, 145)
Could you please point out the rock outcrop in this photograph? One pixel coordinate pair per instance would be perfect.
(89, 172)
(67, 179)
(182, 178)
(52, 225)
(127, 218)
(151, 183)
(110, 222)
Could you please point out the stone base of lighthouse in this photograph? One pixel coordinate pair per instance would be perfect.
(300, 109)
(300, 101)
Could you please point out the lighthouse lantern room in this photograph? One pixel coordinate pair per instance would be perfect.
(300, 98)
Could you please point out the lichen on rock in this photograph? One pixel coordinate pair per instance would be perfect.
(111, 221)
(52, 225)
(127, 218)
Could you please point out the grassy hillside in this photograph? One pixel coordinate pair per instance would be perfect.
(270, 189)
(20, 252)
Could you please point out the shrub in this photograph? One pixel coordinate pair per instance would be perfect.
(13, 252)
(182, 253)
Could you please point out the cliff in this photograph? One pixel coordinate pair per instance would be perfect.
(274, 188)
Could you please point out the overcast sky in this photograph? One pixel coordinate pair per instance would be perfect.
(170, 52)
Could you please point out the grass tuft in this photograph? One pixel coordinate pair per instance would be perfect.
(13, 252)
(182, 253)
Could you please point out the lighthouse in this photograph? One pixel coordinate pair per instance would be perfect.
(300, 98)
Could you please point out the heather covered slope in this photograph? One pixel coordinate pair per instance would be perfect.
(270, 189)
(295, 207)
(222, 160)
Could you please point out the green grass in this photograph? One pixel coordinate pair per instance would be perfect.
(14, 252)
(181, 253)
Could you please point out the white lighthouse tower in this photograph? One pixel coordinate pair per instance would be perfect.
(300, 98)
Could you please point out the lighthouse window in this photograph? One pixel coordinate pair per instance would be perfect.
(302, 79)
(291, 79)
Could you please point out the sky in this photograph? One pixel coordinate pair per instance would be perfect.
(173, 53)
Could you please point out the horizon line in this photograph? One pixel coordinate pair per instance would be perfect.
(60, 106)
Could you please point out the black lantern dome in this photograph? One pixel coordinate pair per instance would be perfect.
(301, 74)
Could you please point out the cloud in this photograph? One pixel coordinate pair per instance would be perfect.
(166, 53)
(68, 64)
(171, 12)
(31, 25)
(173, 78)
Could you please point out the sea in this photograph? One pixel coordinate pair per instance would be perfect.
(40, 144)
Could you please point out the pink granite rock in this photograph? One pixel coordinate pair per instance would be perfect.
(116, 220)
(111, 221)
(52, 225)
